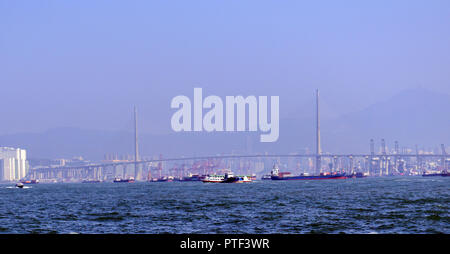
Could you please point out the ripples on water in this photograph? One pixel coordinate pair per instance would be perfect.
(369, 205)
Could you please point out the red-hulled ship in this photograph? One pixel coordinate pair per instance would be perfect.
(277, 175)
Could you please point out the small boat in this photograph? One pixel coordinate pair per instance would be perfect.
(357, 175)
(443, 173)
(19, 185)
(119, 180)
(34, 181)
(165, 179)
(192, 178)
(266, 177)
(236, 179)
(91, 181)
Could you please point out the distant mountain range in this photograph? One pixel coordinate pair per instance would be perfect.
(411, 117)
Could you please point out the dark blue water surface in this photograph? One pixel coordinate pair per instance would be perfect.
(368, 205)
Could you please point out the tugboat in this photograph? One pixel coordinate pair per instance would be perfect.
(119, 180)
(19, 185)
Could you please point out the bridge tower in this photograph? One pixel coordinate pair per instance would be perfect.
(318, 148)
(136, 148)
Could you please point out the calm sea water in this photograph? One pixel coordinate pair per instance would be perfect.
(369, 205)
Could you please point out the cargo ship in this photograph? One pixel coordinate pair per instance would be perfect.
(128, 180)
(277, 175)
(443, 173)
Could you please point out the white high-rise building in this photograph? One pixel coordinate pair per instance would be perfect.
(13, 164)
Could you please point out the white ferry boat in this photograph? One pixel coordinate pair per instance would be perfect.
(214, 179)
(227, 178)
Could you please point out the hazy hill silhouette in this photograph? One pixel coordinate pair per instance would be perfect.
(417, 116)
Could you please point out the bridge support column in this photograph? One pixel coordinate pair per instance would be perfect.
(124, 172)
(351, 164)
(114, 169)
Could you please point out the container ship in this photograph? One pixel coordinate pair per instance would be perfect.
(277, 175)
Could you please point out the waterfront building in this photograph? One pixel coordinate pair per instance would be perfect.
(13, 165)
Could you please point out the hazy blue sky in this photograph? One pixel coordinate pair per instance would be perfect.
(85, 63)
